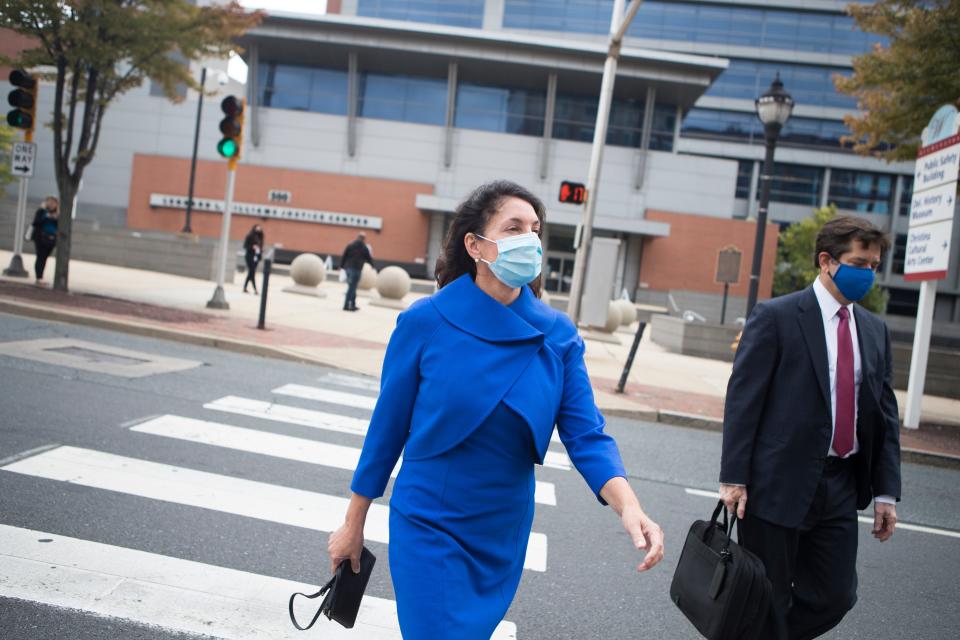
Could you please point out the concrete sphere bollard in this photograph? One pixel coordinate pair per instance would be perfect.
(368, 277)
(307, 270)
(393, 283)
(628, 312)
(613, 317)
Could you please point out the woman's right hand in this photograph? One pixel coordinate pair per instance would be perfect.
(345, 543)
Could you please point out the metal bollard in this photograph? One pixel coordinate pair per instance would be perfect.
(267, 263)
(633, 352)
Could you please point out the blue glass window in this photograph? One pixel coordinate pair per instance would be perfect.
(286, 86)
(744, 178)
(809, 85)
(906, 196)
(744, 126)
(456, 13)
(576, 115)
(691, 22)
(401, 97)
(862, 191)
(796, 184)
(502, 109)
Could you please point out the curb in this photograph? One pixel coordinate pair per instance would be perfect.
(648, 414)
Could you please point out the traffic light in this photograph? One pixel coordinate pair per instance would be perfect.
(23, 99)
(232, 128)
(572, 192)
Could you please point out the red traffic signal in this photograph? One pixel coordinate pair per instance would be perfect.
(572, 192)
(23, 99)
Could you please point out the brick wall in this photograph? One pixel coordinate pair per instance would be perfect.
(687, 258)
(402, 239)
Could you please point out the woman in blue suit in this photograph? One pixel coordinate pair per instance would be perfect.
(474, 380)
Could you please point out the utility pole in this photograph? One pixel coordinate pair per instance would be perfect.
(230, 147)
(618, 28)
(193, 159)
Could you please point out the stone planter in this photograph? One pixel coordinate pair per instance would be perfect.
(701, 339)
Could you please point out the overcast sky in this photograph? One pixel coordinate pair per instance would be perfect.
(294, 6)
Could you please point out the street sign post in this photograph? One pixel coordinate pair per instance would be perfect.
(929, 237)
(728, 272)
(22, 159)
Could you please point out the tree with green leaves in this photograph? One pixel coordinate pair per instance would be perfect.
(7, 137)
(96, 50)
(796, 266)
(899, 86)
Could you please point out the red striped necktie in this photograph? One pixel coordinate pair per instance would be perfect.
(846, 399)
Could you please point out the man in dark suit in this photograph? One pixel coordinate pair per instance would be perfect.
(354, 257)
(811, 431)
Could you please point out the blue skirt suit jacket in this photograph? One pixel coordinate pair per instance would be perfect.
(457, 361)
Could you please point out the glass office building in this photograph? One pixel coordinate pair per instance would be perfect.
(806, 43)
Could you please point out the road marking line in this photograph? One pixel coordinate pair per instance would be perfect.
(247, 498)
(278, 446)
(181, 595)
(557, 460)
(326, 395)
(356, 382)
(864, 519)
(290, 415)
(28, 453)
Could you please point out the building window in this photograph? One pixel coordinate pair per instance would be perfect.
(862, 191)
(906, 195)
(899, 253)
(456, 13)
(689, 22)
(401, 97)
(796, 184)
(501, 109)
(576, 115)
(809, 85)
(744, 178)
(744, 126)
(285, 86)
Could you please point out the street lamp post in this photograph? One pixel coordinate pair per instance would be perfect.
(193, 159)
(773, 108)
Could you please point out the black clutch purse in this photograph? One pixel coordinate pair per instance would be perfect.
(343, 593)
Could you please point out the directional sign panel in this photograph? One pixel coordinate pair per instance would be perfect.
(934, 205)
(21, 160)
(937, 168)
(928, 251)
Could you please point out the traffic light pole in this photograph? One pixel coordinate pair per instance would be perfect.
(219, 300)
(16, 262)
(618, 27)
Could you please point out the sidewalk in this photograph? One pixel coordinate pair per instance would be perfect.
(662, 386)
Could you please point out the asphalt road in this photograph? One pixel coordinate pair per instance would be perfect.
(908, 586)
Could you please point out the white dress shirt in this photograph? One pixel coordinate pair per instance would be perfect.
(829, 307)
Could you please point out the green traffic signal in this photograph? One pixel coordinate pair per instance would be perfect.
(19, 119)
(228, 148)
(23, 99)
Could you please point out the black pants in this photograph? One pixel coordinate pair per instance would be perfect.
(812, 568)
(353, 278)
(43, 250)
(252, 262)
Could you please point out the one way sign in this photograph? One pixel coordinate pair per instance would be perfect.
(21, 160)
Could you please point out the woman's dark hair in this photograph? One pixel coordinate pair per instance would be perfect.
(837, 235)
(254, 232)
(472, 216)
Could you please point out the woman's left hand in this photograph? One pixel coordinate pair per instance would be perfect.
(646, 535)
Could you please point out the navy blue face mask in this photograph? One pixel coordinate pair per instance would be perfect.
(853, 282)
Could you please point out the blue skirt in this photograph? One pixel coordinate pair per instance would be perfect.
(459, 524)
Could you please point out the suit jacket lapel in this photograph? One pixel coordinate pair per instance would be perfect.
(811, 326)
(868, 345)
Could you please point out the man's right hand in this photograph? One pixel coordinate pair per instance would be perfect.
(734, 496)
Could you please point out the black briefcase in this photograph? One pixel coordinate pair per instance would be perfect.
(721, 587)
(343, 593)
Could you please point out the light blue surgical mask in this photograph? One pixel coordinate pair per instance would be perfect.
(519, 259)
(853, 282)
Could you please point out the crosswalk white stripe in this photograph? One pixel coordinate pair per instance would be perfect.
(326, 395)
(289, 415)
(355, 382)
(180, 595)
(248, 498)
(327, 421)
(278, 446)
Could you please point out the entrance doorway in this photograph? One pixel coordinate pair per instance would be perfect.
(559, 271)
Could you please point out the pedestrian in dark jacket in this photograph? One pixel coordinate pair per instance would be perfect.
(253, 247)
(45, 233)
(354, 257)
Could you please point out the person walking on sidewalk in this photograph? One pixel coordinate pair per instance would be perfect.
(253, 251)
(45, 224)
(811, 431)
(354, 257)
(474, 380)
